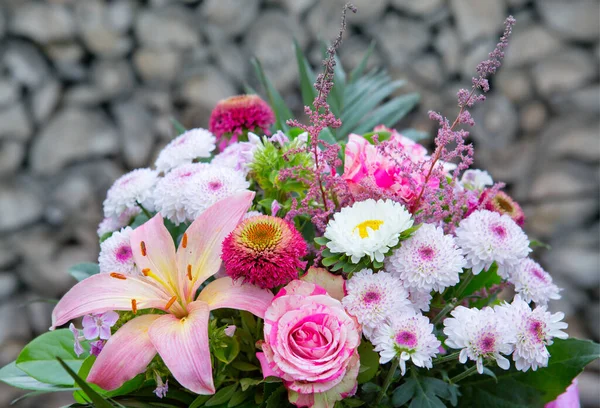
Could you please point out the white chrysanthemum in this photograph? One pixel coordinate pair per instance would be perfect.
(367, 228)
(474, 179)
(534, 330)
(190, 145)
(479, 334)
(116, 254)
(372, 298)
(419, 300)
(486, 236)
(113, 224)
(186, 191)
(409, 337)
(428, 260)
(533, 283)
(251, 214)
(134, 187)
(237, 156)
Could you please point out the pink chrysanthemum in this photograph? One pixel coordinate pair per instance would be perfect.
(533, 283)
(264, 251)
(232, 116)
(502, 203)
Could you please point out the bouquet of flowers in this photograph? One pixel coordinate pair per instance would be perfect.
(267, 262)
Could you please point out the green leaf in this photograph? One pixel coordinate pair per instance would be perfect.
(369, 362)
(277, 398)
(414, 134)
(483, 280)
(404, 393)
(282, 112)
(532, 388)
(239, 397)
(84, 270)
(307, 76)
(15, 377)
(38, 358)
(244, 366)
(249, 382)
(360, 68)
(389, 113)
(179, 128)
(534, 243)
(427, 400)
(199, 401)
(98, 400)
(221, 396)
(228, 353)
(329, 261)
(327, 136)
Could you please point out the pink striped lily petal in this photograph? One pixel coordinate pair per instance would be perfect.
(126, 354)
(108, 291)
(199, 252)
(183, 346)
(224, 292)
(154, 252)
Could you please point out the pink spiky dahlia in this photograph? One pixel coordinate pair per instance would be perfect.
(265, 251)
(234, 115)
(502, 203)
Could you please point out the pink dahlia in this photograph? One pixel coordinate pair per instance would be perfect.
(235, 116)
(502, 203)
(265, 251)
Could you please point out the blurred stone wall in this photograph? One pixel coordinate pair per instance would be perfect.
(87, 89)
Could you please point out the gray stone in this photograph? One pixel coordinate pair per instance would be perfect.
(113, 78)
(478, 18)
(157, 100)
(563, 72)
(69, 198)
(233, 61)
(14, 123)
(581, 265)
(574, 19)
(496, 122)
(9, 92)
(12, 325)
(95, 23)
(551, 217)
(137, 137)
(12, 154)
(473, 56)
(533, 116)
(2, 23)
(584, 100)
(320, 18)
(574, 138)
(207, 89)
(8, 256)
(8, 284)
(232, 17)
(68, 60)
(428, 70)
(155, 65)
(44, 100)
(297, 7)
(400, 39)
(19, 206)
(529, 44)
(42, 22)
(39, 313)
(82, 134)
(587, 382)
(84, 95)
(353, 52)
(421, 7)
(369, 11)
(448, 45)
(169, 27)
(25, 63)
(515, 84)
(120, 14)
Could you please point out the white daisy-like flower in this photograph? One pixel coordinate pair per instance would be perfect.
(367, 228)
(534, 330)
(190, 145)
(419, 300)
(533, 283)
(474, 179)
(479, 334)
(486, 236)
(408, 337)
(251, 214)
(372, 298)
(186, 191)
(134, 187)
(237, 156)
(428, 260)
(112, 224)
(116, 254)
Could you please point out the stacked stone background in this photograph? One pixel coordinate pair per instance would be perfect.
(88, 87)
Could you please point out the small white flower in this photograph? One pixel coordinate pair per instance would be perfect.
(372, 298)
(112, 224)
(409, 337)
(367, 228)
(190, 145)
(533, 283)
(534, 330)
(134, 187)
(474, 179)
(428, 260)
(237, 156)
(479, 334)
(419, 300)
(486, 236)
(116, 254)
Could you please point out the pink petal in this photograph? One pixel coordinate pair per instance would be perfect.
(224, 292)
(154, 252)
(200, 247)
(104, 333)
(110, 318)
(266, 369)
(333, 284)
(103, 292)
(183, 346)
(125, 355)
(91, 332)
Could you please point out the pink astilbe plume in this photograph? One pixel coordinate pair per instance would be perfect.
(326, 188)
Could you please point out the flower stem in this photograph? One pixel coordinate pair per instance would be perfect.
(146, 212)
(443, 359)
(388, 381)
(470, 371)
(449, 306)
(457, 298)
(468, 278)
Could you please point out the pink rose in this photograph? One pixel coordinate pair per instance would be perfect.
(310, 343)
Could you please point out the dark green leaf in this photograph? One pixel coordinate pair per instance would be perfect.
(15, 377)
(179, 128)
(534, 243)
(97, 399)
(329, 261)
(414, 134)
(200, 400)
(389, 113)
(244, 366)
(483, 280)
(369, 362)
(282, 112)
(84, 270)
(249, 382)
(424, 400)
(360, 68)
(221, 396)
(404, 393)
(277, 398)
(228, 353)
(239, 397)
(307, 76)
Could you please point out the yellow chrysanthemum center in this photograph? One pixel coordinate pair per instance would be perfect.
(262, 234)
(362, 227)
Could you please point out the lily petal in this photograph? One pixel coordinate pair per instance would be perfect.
(107, 291)
(199, 253)
(126, 354)
(154, 252)
(183, 346)
(224, 292)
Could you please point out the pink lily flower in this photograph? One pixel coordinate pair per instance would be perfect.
(170, 282)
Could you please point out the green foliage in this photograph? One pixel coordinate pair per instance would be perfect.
(425, 392)
(369, 362)
(12, 375)
(84, 270)
(95, 398)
